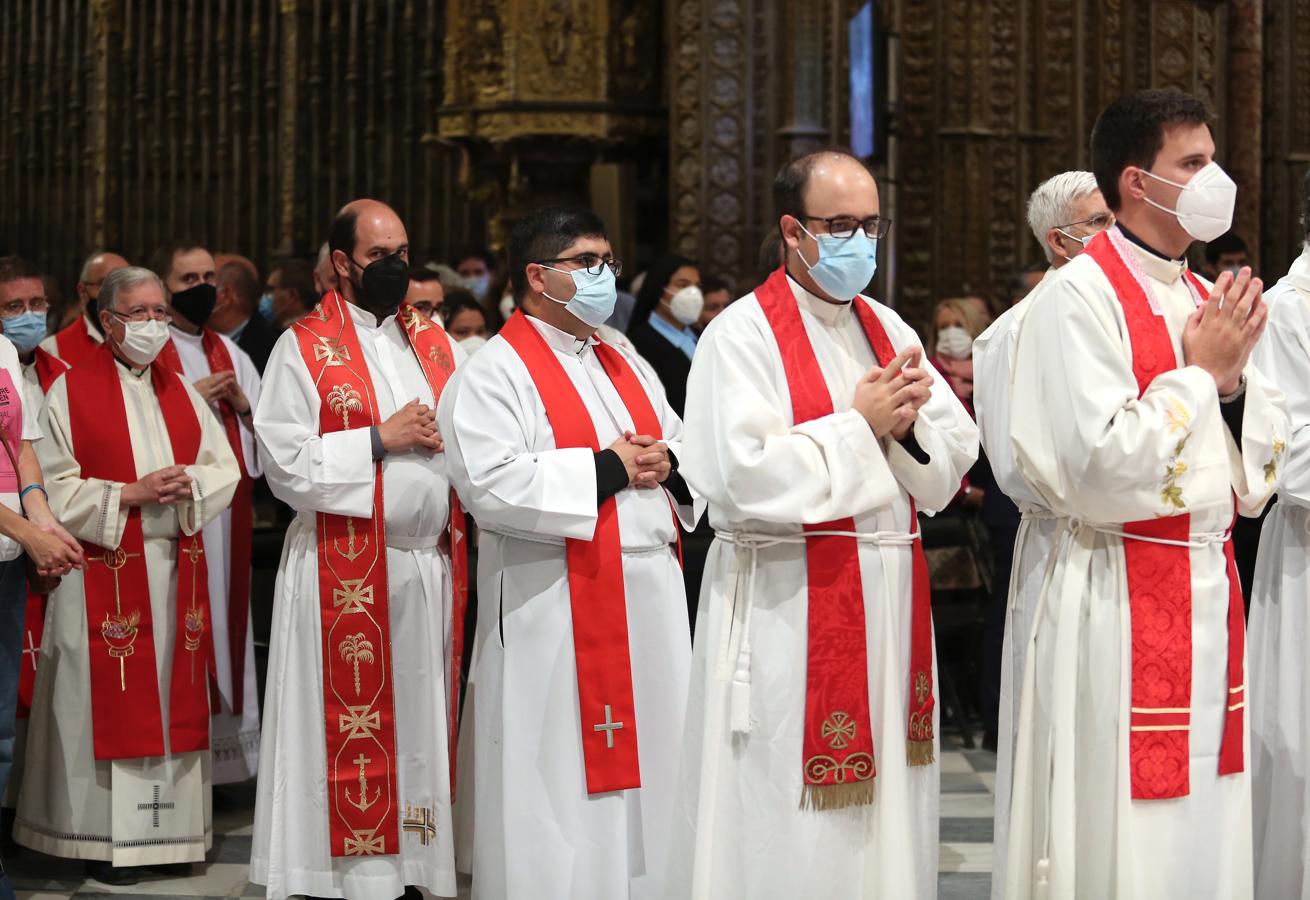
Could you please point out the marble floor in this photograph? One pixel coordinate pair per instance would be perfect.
(968, 779)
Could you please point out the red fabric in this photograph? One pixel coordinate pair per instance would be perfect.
(435, 354)
(123, 672)
(838, 733)
(75, 344)
(360, 726)
(1160, 589)
(243, 514)
(596, 590)
(48, 368)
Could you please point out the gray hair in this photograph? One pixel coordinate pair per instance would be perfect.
(124, 279)
(1051, 205)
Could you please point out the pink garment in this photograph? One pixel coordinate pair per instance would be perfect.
(11, 422)
(959, 372)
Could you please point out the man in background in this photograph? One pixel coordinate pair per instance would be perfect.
(236, 312)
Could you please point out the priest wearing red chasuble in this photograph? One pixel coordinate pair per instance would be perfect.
(817, 431)
(136, 465)
(567, 455)
(1140, 423)
(355, 770)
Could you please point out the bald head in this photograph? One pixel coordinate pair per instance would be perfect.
(226, 259)
(364, 232)
(97, 266)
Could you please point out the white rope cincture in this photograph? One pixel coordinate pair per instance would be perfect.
(740, 692)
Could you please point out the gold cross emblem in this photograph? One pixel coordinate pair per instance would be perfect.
(366, 843)
(359, 722)
(352, 594)
(334, 353)
(838, 730)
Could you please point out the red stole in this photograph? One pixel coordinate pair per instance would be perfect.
(597, 599)
(75, 343)
(125, 706)
(243, 518)
(1160, 588)
(48, 368)
(838, 749)
(432, 348)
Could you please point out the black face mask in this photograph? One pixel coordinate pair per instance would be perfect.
(383, 284)
(196, 304)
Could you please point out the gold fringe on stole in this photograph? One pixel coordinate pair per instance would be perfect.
(822, 797)
(918, 752)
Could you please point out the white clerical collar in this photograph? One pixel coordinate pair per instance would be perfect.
(1157, 267)
(825, 312)
(361, 316)
(180, 335)
(562, 341)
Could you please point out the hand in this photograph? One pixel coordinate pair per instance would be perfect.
(237, 397)
(45, 522)
(885, 397)
(922, 379)
(628, 451)
(216, 386)
(1220, 336)
(166, 487)
(972, 496)
(413, 425)
(51, 555)
(654, 464)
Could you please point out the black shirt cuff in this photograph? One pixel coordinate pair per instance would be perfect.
(910, 444)
(1233, 412)
(375, 439)
(675, 485)
(611, 475)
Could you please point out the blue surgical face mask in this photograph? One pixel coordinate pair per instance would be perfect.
(845, 265)
(266, 306)
(479, 284)
(595, 295)
(25, 330)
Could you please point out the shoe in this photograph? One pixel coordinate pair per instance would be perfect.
(411, 893)
(173, 870)
(107, 873)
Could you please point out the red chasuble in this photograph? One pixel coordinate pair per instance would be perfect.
(1160, 586)
(126, 714)
(597, 601)
(75, 343)
(48, 369)
(838, 743)
(364, 817)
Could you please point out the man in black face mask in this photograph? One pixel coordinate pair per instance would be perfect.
(225, 376)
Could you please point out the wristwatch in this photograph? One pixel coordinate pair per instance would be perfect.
(1241, 389)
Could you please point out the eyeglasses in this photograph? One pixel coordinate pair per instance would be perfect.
(590, 262)
(142, 315)
(1097, 222)
(844, 227)
(17, 308)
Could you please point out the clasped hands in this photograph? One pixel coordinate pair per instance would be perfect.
(1223, 331)
(645, 458)
(889, 397)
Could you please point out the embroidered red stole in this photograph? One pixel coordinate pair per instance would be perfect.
(125, 704)
(243, 517)
(354, 607)
(838, 748)
(1160, 588)
(432, 348)
(75, 343)
(596, 591)
(48, 368)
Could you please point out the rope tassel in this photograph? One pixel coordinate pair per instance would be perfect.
(740, 697)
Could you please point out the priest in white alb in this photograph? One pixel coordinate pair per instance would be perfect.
(1280, 625)
(224, 376)
(567, 457)
(1064, 213)
(1145, 429)
(118, 753)
(816, 431)
(355, 770)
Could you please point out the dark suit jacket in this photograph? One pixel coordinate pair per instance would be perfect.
(668, 361)
(257, 340)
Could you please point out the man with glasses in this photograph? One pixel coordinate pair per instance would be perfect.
(78, 334)
(118, 761)
(1064, 213)
(816, 430)
(567, 456)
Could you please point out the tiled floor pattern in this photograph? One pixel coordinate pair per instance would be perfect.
(968, 779)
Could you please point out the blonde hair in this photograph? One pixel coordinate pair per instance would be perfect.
(967, 308)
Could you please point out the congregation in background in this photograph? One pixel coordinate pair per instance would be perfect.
(601, 580)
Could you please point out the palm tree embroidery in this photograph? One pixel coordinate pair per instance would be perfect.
(343, 401)
(356, 649)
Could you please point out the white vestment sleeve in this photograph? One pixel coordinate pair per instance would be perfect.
(485, 423)
(214, 474)
(331, 473)
(248, 380)
(1281, 358)
(741, 454)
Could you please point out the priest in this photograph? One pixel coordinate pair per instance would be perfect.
(118, 744)
(82, 335)
(816, 431)
(1064, 213)
(226, 378)
(1279, 621)
(1148, 432)
(567, 457)
(356, 771)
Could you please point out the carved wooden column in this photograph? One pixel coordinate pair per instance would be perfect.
(1285, 130)
(103, 16)
(1243, 123)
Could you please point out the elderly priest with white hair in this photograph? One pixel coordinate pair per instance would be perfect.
(118, 764)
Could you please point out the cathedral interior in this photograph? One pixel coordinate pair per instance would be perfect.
(246, 123)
